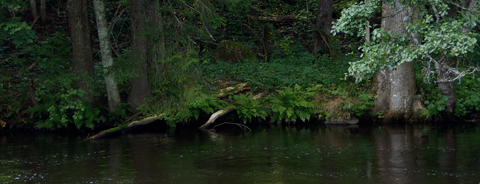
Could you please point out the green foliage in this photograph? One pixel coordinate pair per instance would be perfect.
(361, 104)
(352, 21)
(285, 45)
(12, 29)
(467, 93)
(292, 104)
(182, 104)
(468, 96)
(302, 70)
(204, 103)
(436, 105)
(248, 108)
(16, 32)
(60, 104)
(25, 66)
(442, 34)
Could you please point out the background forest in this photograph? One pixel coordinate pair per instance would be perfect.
(85, 64)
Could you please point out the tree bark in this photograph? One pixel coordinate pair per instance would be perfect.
(266, 32)
(156, 41)
(43, 13)
(396, 88)
(446, 86)
(33, 6)
(82, 62)
(107, 60)
(140, 89)
(323, 24)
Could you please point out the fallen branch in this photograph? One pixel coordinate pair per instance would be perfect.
(215, 116)
(126, 126)
(220, 113)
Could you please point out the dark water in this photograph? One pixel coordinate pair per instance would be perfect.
(273, 154)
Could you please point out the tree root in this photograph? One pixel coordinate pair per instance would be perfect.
(126, 126)
(231, 123)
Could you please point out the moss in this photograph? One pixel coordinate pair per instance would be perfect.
(233, 52)
(114, 129)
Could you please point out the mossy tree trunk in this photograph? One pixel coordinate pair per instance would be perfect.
(107, 60)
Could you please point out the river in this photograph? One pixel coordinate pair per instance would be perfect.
(438, 153)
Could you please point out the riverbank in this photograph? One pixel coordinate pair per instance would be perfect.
(288, 90)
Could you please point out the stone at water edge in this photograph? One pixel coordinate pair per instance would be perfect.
(342, 121)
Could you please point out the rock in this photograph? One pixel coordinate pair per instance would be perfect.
(417, 105)
(342, 121)
(233, 52)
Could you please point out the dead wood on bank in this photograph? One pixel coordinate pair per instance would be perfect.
(147, 120)
(220, 113)
(233, 89)
(126, 126)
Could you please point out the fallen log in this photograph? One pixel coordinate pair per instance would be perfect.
(126, 126)
(220, 113)
(215, 116)
(233, 89)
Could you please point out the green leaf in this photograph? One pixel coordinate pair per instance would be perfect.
(289, 112)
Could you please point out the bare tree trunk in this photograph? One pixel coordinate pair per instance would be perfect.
(324, 22)
(396, 88)
(107, 60)
(33, 6)
(43, 13)
(82, 62)
(140, 88)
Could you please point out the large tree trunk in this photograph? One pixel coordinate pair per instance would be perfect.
(140, 88)
(324, 22)
(107, 60)
(396, 88)
(156, 41)
(82, 62)
(402, 83)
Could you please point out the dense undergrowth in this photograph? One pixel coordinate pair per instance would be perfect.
(297, 88)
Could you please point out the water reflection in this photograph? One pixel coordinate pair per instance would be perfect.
(272, 154)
